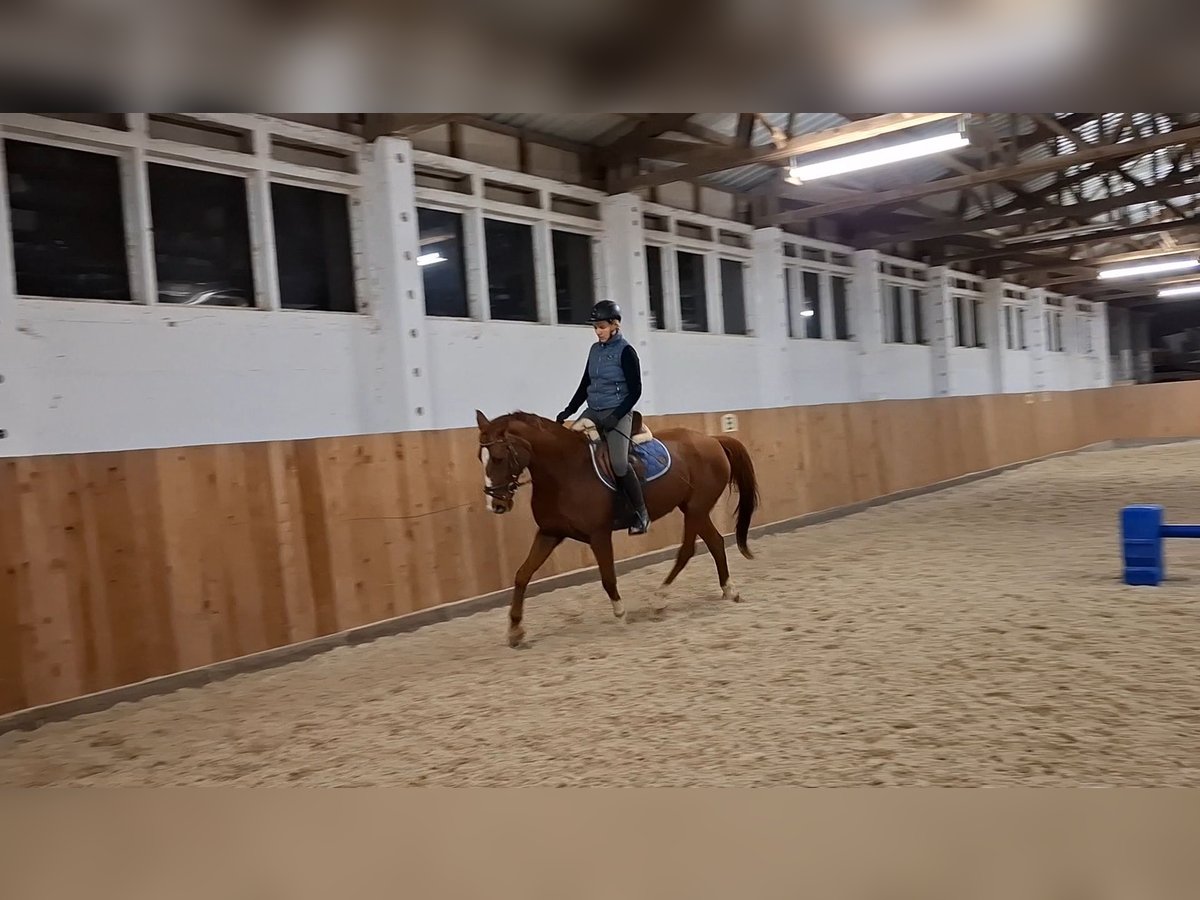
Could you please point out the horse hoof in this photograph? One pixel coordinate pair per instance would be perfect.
(730, 593)
(515, 636)
(618, 609)
(658, 603)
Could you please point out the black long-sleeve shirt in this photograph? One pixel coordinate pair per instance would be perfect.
(631, 366)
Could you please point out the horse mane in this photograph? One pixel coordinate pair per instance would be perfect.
(540, 423)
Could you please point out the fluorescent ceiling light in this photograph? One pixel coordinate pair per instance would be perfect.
(1182, 291)
(428, 259)
(869, 159)
(807, 313)
(1172, 265)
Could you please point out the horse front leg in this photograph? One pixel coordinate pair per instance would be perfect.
(543, 546)
(602, 549)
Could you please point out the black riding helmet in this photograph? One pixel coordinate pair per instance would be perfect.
(605, 311)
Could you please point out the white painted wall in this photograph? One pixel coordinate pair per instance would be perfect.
(82, 376)
(972, 371)
(1018, 372)
(706, 372)
(909, 369)
(98, 376)
(824, 372)
(499, 367)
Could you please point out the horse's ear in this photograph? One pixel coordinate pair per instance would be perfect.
(481, 420)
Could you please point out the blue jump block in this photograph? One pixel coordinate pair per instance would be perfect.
(1142, 534)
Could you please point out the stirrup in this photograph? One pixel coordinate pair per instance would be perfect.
(638, 528)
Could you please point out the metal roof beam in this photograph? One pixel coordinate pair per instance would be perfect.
(1022, 170)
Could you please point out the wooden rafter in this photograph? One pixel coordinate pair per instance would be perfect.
(1099, 237)
(1023, 170)
(986, 223)
(629, 145)
(718, 159)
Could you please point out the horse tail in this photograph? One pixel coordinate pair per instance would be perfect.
(742, 474)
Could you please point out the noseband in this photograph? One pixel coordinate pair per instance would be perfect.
(507, 490)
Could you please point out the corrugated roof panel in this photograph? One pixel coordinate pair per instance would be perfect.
(582, 127)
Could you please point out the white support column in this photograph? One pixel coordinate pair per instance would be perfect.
(1102, 364)
(1035, 332)
(625, 275)
(867, 325)
(14, 437)
(398, 301)
(993, 331)
(940, 306)
(768, 294)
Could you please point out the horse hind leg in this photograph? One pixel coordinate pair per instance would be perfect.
(687, 549)
(716, 546)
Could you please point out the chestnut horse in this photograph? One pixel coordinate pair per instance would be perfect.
(571, 502)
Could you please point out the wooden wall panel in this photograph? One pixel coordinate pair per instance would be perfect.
(116, 567)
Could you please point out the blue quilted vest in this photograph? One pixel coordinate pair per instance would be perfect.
(607, 387)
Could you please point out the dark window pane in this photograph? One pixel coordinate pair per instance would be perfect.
(68, 231)
(512, 285)
(654, 285)
(918, 317)
(1021, 345)
(733, 296)
(312, 249)
(201, 237)
(841, 316)
(575, 291)
(787, 299)
(812, 303)
(896, 322)
(1009, 336)
(443, 269)
(960, 320)
(693, 298)
(977, 323)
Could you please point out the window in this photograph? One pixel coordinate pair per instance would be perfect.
(978, 323)
(68, 229)
(841, 317)
(812, 304)
(918, 308)
(1054, 336)
(1010, 337)
(733, 296)
(961, 321)
(512, 284)
(201, 237)
(443, 268)
(693, 297)
(312, 247)
(788, 298)
(1021, 345)
(894, 319)
(654, 286)
(574, 288)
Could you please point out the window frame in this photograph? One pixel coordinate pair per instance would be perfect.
(711, 250)
(794, 267)
(135, 150)
(474, 207)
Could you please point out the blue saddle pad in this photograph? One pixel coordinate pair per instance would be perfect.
(653, 455)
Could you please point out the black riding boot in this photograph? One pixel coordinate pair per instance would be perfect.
(633, 491)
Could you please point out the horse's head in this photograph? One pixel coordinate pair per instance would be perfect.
(504, 457)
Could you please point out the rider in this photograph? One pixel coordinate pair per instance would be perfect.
(612, 385)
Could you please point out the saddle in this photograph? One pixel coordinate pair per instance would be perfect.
(649, 459)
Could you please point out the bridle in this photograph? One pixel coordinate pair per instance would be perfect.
(507, 490)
